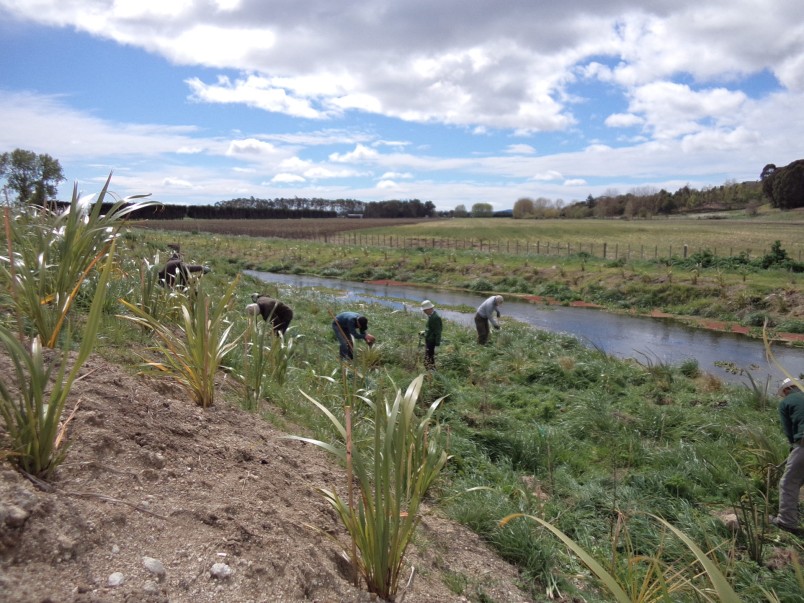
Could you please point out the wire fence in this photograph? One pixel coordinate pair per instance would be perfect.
(607, 251)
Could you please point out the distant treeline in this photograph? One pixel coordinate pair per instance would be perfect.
(252, 208)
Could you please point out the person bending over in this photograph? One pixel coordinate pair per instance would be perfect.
(349, 326)
(272, 310)
(485, 315)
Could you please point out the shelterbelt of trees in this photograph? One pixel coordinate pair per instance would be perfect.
(34, 178)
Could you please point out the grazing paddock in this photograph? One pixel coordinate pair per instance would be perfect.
(303, 228)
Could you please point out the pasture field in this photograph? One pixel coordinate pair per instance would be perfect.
(726, 237)
(303, 228)
(631, 238)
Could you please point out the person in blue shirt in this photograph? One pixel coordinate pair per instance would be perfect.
(791, 415)
(349, 326)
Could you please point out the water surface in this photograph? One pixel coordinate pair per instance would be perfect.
(648, 340)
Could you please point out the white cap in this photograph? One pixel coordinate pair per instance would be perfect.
(252, 309)
(427, 304)
(785, 384)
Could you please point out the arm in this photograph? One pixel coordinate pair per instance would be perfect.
(786, 420)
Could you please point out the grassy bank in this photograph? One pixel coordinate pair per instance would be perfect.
(538, 425)
(704, 286)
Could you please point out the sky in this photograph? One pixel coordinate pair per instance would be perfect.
(451, 101)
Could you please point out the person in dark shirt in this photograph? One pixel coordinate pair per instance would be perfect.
(791, 415)
(349, 326)
(431, 333)
(176, 272)
(275, 311)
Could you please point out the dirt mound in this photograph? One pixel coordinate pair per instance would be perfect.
(160, 500)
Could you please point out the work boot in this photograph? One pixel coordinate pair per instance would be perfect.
(783, 526)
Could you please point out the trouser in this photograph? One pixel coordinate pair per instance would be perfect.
(482, 325)
(790, 485)
(344, 340)
(429, 355)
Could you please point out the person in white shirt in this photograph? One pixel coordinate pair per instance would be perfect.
(485, 315)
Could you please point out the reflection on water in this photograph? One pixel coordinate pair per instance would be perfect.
(645, 339)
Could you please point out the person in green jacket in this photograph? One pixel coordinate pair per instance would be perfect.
(432, 334)
(791, 415)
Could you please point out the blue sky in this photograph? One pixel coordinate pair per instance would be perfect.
(455, 102)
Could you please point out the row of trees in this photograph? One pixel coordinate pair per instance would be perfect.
(395, 208)
(33, 178)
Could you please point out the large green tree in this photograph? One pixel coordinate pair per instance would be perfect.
(523, 208)
(784, 186)
(34, 178)
(482, 210)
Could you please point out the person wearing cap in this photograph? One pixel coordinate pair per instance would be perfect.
(278, 313)
(791, 414)
(431, 333)
(485, 315)
(349, 326)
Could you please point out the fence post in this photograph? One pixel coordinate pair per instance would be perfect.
(616, 251)
(685, 252)
(605, 246)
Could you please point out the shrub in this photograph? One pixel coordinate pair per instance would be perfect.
(394, 467)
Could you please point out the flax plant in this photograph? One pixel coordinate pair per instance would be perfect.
(395, 465)
(194, 349)
(266, 358)
(51, 254)
(151, 296)
(654, 581)
(32, 412)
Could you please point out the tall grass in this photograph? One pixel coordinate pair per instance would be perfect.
(638, 578)
(52, 253)
(194, 349)
(395, 464)
(265, 359)
(32, 412)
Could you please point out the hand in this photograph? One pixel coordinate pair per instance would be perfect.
(370, 339)
(496, 327)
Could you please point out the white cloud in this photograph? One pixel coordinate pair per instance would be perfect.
(520, 149)
(390, 175)
(360, 153)
(623, 120)
(287, 179)
(322, 173)
(254, 92)
(386, 184)
(250, 146)
(187, 150)
(548, 175)
(575, 182)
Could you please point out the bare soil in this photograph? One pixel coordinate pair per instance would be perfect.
(156, 491)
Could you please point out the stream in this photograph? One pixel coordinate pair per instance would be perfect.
(647, 340)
